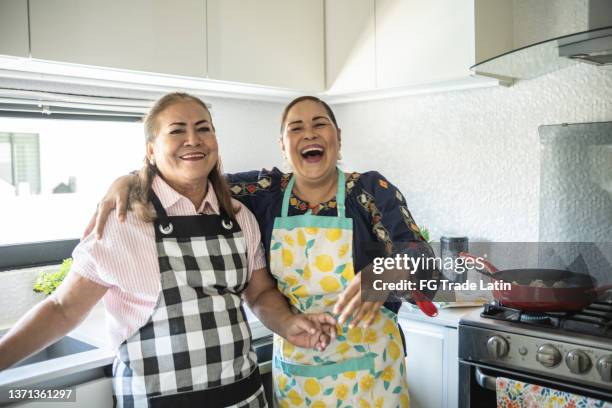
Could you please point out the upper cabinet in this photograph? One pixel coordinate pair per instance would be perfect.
(344, 49)
(14, 28)
(384, 45)
(277, 43)
(438, 40)
(350, 52)
(144, 35)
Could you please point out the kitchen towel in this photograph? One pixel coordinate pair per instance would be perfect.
(517, 394)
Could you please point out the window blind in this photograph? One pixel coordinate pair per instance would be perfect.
(18, 102)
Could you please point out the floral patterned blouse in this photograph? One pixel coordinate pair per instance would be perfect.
(378, 209)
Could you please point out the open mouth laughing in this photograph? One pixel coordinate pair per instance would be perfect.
(312, 153)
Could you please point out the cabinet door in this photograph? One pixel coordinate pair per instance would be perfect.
(451, 352)
(349, 45)
(145, 35)
(267, 42)
(425, 364)
(14, 28)
(423, 41)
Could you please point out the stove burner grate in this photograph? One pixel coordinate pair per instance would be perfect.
(595, 319)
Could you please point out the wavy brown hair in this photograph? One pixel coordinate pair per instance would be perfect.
(140, 193)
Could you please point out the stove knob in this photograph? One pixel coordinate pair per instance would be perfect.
(548, 355)
(604, 366)
(497, 347)
(578, 362)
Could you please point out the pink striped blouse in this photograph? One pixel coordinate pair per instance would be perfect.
(125, 259)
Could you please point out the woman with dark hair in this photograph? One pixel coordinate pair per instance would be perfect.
(317, 223)
(173, 276)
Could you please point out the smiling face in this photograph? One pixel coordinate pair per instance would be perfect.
(185, 148)
(310, 141)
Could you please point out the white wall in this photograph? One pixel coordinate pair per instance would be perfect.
(468, 162)
(247, 132)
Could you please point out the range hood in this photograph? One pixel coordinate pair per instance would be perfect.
(568, 42)
(594, 47)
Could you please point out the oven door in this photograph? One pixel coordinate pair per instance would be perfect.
(477, 385)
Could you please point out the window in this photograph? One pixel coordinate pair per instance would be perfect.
(54, 171)
(19, 164)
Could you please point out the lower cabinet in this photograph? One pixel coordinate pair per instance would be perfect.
(431, 364)
(92, 394)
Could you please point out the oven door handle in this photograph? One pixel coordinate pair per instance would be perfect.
(485, 381)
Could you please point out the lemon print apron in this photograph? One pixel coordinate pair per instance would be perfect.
(311, 258)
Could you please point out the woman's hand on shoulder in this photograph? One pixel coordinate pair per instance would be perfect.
(115, 198)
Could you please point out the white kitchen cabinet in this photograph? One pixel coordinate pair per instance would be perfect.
(350, 53)
(14, 28)
(431, 364)
(144, 35)
(92, 394)
(421, 42)
(276, 43)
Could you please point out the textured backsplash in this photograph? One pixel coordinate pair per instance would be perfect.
(576, 183)
(468, 162)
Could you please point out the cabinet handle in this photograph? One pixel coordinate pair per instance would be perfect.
(485, 381)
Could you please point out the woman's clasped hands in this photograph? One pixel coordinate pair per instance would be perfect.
(310, 330)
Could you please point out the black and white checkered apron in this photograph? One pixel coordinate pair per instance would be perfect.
(195, 349)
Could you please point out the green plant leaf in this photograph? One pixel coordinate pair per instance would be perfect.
(48, 281)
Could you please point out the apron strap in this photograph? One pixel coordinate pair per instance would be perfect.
(286, 196)
(165, 226)
(340, 195)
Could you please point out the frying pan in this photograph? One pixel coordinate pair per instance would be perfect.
(580, 291)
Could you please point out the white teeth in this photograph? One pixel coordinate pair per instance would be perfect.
(312, 149)
(192, 156)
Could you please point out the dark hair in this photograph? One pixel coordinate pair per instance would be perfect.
(294, 102)
(139, 196)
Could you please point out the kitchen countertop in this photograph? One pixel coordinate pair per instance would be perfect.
(92, 331)
(448, 317)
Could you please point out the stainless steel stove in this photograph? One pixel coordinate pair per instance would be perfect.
(567, 352)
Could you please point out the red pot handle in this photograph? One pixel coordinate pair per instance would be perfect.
(488, 265)
(425, 304)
